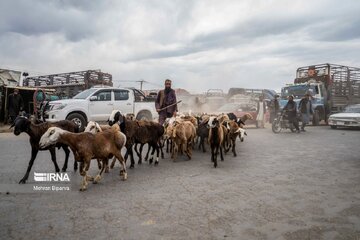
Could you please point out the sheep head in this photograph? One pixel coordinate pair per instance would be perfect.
(93, 127)
(20, 124)
(50, 137)
(213, 122)
(168, 132)
(242, 134)
(116, 117)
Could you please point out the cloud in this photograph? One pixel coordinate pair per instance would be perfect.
(199, 44)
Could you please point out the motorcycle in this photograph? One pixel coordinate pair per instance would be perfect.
(281, 122)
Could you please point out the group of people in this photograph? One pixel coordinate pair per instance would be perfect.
(291, 108)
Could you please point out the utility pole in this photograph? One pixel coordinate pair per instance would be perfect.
(141, 83)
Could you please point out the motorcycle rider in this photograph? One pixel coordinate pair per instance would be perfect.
(291, 111)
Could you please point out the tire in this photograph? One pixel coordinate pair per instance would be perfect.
(78, 119)
(333, 127)
(144, 116)
(276, 128)
(316, 118)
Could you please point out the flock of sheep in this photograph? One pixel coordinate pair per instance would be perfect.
(103, 142)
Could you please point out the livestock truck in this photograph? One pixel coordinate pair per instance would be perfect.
(331, 86)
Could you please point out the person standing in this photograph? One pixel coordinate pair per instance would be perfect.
(165, 103)
(261, 110)
(15, 104)
(274, 108)
(291, 110)
(305, 108)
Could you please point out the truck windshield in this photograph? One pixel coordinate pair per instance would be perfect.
(296, 90)
(85, 94)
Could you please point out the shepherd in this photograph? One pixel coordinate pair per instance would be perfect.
(166, 104)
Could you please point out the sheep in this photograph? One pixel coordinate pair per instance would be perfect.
(94, 127)
(234, 132)
(149, 132)
(138, 132)
(202, 133)
(241, 121)
(182, 135)
(87, 146)
(216, 138)
(35, 131)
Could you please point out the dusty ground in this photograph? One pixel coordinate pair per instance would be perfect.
(284, 186)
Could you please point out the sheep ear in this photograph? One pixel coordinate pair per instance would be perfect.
(245, 133)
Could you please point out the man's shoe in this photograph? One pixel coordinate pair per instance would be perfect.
(303, 130)
(298, 131)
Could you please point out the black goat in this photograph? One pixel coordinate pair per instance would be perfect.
(138, 132)
(203, 133)
(35, 131)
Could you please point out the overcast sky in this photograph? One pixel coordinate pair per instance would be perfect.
(197, 44)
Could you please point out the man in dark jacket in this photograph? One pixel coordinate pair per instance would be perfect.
(274, 108)
(306, 110)
(291, 110)
(15, 104)
(165, 103)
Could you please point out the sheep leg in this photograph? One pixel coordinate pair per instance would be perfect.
(157, 153)
(221, 154)
(123, 172)
(147, 153)
(202, 141)
(131, 154)
(107, 165)
(188, 147)
(99, 163)
(167, 146)
(126, 155)
(113, 163)
(152, 153)
(174, 149)
(83, 172)
(53, 159)
(140, 153)
(161, 145)
(104, 166)
(67, 153)
(34, 152)
(214, 152)
(233, 147)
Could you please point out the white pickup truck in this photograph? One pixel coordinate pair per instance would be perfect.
(97, 103)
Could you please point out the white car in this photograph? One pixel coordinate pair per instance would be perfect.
(96, 104)
(349, 118)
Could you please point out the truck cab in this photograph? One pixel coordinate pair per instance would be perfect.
(318, 95)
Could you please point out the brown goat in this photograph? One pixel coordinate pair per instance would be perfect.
(87, 146)
(182, 135)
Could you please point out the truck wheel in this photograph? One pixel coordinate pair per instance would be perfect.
(78, 119)
(144, 116)
(316, 118)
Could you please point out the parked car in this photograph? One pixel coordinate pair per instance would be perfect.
(96, 104)
(350, 117)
